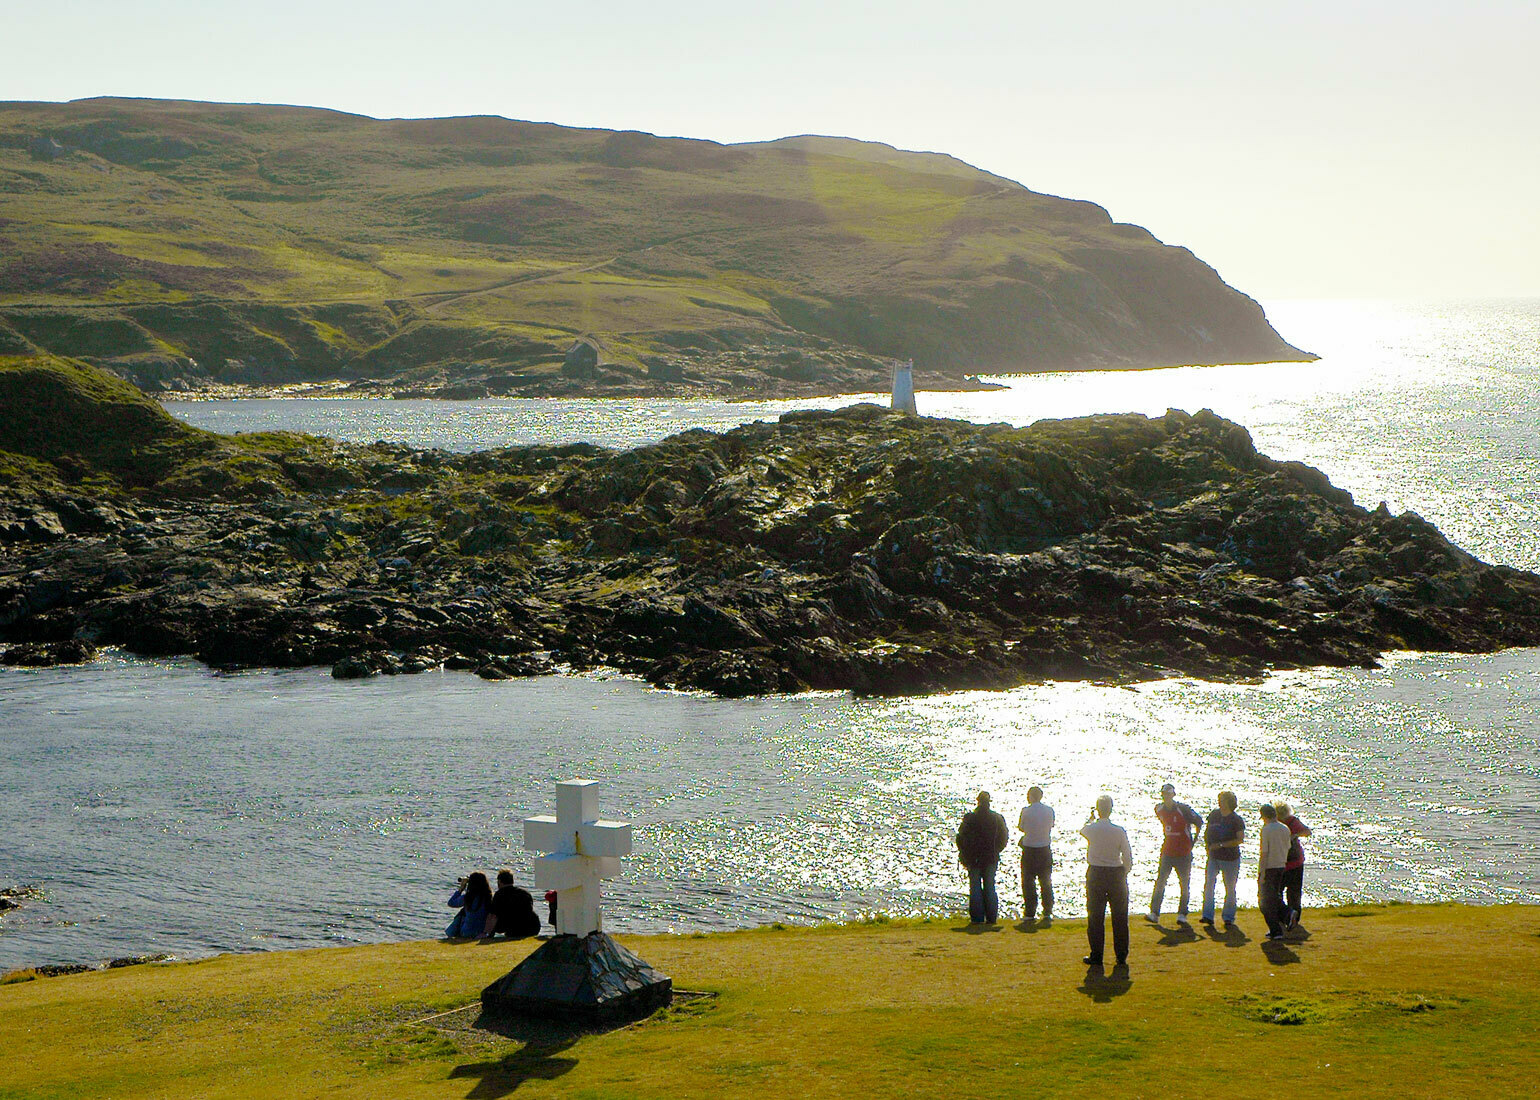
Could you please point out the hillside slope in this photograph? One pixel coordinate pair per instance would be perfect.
(191, 244)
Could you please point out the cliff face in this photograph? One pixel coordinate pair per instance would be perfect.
(854, 549)
(191, 245)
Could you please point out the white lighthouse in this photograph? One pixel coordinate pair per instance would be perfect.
(903, 387)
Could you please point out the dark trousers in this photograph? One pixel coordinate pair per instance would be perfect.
(983, 904)
(1294, 889)
(1104, 887)
(1036, 869)
(1270, 899)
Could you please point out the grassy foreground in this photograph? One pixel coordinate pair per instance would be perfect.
(1378, 1001)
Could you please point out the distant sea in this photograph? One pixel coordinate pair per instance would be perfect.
(162, 807)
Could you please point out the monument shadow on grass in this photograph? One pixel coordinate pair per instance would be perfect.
(535, 1061)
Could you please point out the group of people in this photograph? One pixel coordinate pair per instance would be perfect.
(983, 835)
(482, 914)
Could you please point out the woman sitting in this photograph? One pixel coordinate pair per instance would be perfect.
(474, 900)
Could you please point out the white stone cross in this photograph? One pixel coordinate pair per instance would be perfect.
(582, 851)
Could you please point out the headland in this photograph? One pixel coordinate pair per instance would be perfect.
(198, 248)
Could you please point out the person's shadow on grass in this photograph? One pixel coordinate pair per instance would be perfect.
(1279, 953)
(978, 929)
(499, 1077)
(1175, 937)
(1230, 937)
(1102, 987)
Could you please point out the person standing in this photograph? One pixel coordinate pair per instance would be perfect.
(1108, 860)
(1294, 869)
(1180, 823)
(1273, 857)
(1036, 824)
(981, 838)
(1222, 837)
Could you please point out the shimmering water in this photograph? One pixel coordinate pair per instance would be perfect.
(167, 808)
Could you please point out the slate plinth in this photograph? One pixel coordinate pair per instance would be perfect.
(584, 979)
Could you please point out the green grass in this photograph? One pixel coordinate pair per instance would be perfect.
(1411, 1001)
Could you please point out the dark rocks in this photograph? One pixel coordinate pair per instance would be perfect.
(590, 980)
(136, 960)
(73, 651)
(845, 549)
(60, 970)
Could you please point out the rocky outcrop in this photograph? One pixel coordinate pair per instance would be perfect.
(853, 549)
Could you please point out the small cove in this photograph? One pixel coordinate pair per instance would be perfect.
(171, 809)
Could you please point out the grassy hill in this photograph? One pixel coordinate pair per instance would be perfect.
(189, 244)
(1398, 1001)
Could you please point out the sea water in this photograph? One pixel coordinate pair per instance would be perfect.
(163, 807)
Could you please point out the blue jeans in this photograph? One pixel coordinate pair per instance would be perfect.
(1230, 869)
(1183, 867)
(983, 905)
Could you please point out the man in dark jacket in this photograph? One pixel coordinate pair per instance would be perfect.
(980, 839)
(513, 911)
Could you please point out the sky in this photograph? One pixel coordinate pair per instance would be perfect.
(1350, 148)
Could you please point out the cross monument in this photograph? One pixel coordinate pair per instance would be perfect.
(581, 851)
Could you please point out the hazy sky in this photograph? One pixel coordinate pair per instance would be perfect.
(1304, 148)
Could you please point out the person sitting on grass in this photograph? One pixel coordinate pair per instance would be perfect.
(512, 911)
(474, 900)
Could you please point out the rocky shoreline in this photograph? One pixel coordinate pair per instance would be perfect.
(854, 549)
(876, 380)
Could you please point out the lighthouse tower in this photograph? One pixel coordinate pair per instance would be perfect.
(903, 387)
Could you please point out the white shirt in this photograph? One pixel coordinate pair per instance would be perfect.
(1036, 825)
(1107, 844)
(1275, 845)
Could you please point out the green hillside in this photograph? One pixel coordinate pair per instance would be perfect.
(190, 244)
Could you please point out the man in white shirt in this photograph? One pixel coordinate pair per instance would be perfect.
(1273, 858)
(1036, 824)
(1108, 860)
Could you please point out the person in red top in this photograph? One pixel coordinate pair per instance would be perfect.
(1294, 869)
(1180, 823)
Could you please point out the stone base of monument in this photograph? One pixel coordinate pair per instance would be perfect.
(582, 979)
